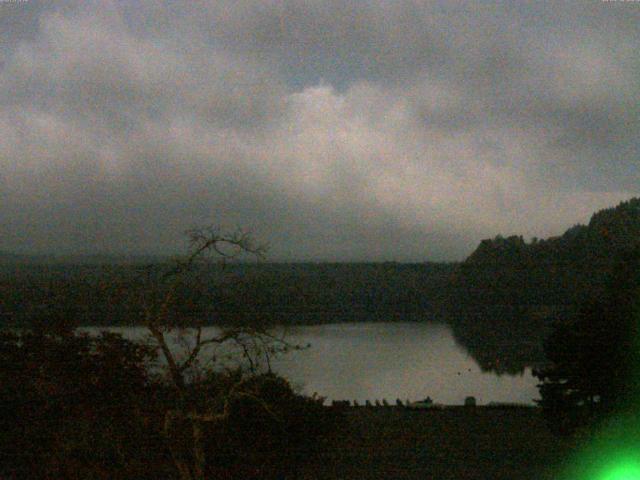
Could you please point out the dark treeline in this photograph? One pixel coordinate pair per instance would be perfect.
(507, 295)
(285, 293)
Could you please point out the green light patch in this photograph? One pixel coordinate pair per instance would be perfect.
(626, 469)
(613, 453)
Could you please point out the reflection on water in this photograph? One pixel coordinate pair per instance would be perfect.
(395, 360)
(360, 361)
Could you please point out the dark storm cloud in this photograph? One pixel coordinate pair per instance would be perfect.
(334, 130)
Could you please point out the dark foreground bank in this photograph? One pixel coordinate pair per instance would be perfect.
(453, 443)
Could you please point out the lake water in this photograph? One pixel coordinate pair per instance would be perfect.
(369, 361)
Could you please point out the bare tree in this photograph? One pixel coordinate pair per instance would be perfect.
(251, 338)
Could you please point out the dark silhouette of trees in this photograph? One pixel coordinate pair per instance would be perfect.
(75, 405)
(509, 292)
(594, 356)
(194, 410)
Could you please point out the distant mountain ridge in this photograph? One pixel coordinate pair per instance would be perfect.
(8, 258)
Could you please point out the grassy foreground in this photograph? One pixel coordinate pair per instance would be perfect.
(454, 443)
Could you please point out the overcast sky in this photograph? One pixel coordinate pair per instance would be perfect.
(334, 130)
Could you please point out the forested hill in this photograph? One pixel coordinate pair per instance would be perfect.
(609, 231)
(509, 291)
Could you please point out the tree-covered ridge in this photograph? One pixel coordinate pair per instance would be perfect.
(608, 231)
(507, 294)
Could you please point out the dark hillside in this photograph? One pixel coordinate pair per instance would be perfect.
(508, 291)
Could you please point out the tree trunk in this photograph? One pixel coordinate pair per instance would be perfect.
(174, 425)
(199, 457)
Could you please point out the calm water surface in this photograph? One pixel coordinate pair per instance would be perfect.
(369, 361)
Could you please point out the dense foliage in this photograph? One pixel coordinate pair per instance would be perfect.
(594, 357)
(75, 407)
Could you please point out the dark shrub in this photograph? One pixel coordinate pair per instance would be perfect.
(74, 406)
(270, 432)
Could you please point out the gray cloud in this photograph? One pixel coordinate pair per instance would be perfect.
(334, 130)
